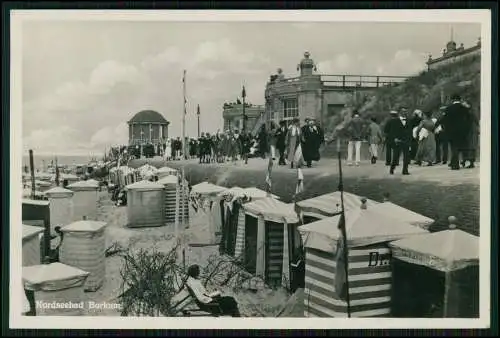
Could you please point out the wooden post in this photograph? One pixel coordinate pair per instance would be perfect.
(447, 277)
(32, 170)
(177, 209)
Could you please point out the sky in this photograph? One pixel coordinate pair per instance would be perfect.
(83, 80)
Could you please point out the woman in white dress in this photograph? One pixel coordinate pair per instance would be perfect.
(168, 150)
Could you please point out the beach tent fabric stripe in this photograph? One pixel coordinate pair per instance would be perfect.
(240, 234)
(274, 252)
(369, 283)
(329, 204)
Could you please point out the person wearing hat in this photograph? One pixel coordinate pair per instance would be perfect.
(294, 135)
(402, 134)
(457, 123)
(311, 141)
(281, 141)
(390, 133)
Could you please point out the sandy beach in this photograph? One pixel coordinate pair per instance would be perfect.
(253, 303)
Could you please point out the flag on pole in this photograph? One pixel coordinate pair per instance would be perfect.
(268, 175)
(57, 173)
(184, 83)
(341, 264)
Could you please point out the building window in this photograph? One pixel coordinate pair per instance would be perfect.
(272, 115)
(290, 109)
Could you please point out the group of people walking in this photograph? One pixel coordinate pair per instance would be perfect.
(277, 141)
(283, 141)
(424, 137)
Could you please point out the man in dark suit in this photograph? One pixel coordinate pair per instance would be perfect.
(457, 123)
(390, 133)
(403, 134)
(281, 142)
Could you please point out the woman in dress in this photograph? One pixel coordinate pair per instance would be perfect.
(426, 151)
(168, 150)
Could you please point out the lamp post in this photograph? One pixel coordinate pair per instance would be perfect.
(243, 95)
(198, 117)
(142, 141)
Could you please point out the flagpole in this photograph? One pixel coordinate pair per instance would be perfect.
(184, 116)
(344, 232)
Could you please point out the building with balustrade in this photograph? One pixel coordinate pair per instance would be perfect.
(147, 127)
(452, 54)
(315, 95)
(232, 114)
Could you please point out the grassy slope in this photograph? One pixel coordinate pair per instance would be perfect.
(420, 92)
(427, 198)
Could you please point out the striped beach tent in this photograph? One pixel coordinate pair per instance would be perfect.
(369, 263)
(231, 201)
(205, 197)
(329, 205)
(443, 270)
(172, 187)
(263, 238)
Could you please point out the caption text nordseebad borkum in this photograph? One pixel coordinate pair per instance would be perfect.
(90, 305)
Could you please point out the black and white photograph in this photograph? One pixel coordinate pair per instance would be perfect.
(194, 169)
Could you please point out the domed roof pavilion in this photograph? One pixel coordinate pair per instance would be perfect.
(147, 127)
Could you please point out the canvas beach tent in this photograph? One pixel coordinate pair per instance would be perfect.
(205, 198)
(145, 206)
(442, 270)
(31, 244)
(232, 213)
(126, 175)
(329, 205)
(368, 233)
(53, 283)
(264, 238)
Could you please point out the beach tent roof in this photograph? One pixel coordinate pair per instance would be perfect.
(206, 188)
(43, 183)
(37, 276)
(85, 184)
(403, 214)
(58, 191)
(84, 226)
(444, 250)
(30, 230)
(272, 210)
(363, 226)
(329, 204)
(35, 202)
(252, 193)
(144, 185)
(170, 179)
(167, 170)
